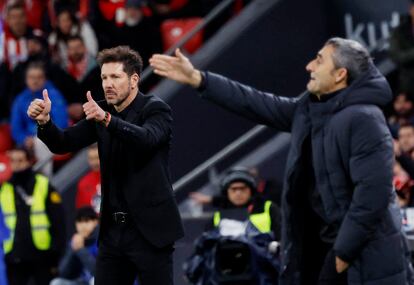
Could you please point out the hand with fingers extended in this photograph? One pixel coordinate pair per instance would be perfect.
(39, 109)
(178, 68)
(92, 109)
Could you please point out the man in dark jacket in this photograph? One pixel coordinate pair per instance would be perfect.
(340, 223)
(139, 217)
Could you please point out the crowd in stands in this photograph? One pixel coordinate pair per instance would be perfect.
(401, 118)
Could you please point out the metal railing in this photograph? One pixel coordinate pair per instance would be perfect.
(225, 152)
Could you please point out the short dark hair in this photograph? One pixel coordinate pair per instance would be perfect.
(351, 55)
(28, 153)
(37, 65)
(75, 38)
(11, 5)
(85, 214)
(130, 58)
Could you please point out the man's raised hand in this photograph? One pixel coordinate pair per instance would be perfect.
(92, 109)
(178, 68)
(39, 109)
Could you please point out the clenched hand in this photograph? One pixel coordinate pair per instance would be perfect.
(39, 109)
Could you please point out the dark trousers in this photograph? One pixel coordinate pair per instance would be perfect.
(21, 273)
(124, 255)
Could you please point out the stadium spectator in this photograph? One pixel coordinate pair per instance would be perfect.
(403, 112)
(22, 127)
(68, 25)
(140, 32)
(77, 266)
(89, 186)
(14, 35)
(84, 75)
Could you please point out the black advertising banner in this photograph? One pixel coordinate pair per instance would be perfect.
(367, 21)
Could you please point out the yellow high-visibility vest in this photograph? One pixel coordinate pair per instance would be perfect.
(261, 221)
(39, 220)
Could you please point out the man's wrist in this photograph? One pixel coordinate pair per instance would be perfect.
(196, 78)
(106, 119)
(43, 122)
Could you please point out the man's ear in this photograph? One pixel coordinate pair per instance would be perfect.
(341, 75)
(134, 80)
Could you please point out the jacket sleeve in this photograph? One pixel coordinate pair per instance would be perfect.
(276, 220)
(370, 168)
(67, 140)
(257, 106)
(69, 265)
(155, 131)
(87, 259)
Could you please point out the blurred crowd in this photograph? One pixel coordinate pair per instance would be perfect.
(401, 116)
(52, 44)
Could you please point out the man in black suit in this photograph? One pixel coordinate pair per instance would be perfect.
(139, 216)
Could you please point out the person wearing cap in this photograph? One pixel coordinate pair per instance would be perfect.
(341, 224)
(240, 245)
(78, 265)
(239, 192)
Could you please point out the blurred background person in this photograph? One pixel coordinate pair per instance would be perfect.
(77, 267)
(24, 129)
(89, 186)
(33, 213)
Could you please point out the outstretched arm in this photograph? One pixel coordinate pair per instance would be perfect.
(255, 105)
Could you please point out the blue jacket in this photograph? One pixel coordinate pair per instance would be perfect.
(80, 265)
(352, 161)
(22, 126)
(4, 234)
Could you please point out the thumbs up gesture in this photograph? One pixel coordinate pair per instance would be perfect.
(92, 109)
(39, 109)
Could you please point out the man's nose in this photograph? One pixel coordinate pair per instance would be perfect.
(309, 66)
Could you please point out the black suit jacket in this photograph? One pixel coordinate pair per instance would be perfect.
(145, 137)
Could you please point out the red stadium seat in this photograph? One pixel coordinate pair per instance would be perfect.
(5, 170)
(6, 141)
(173, 30)
(177, 4)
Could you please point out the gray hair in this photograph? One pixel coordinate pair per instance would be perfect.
(350, 55)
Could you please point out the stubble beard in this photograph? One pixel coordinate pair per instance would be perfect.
(118, 100)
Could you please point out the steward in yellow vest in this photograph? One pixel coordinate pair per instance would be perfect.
(241, 202)
(33, 213)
